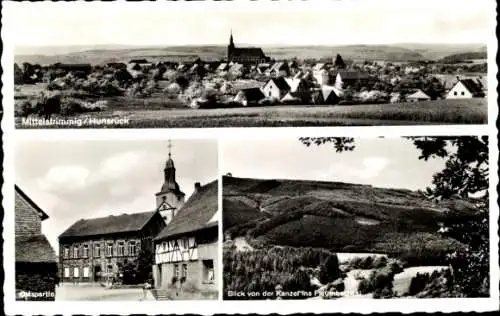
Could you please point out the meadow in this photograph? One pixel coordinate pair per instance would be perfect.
(151, 113)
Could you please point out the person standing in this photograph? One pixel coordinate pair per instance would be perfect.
(145, 288)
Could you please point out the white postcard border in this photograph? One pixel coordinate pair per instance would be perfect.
(210, 307)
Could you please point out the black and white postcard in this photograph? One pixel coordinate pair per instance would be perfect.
(333, 218)
(250, 157)
(353, 64)
(116, 221)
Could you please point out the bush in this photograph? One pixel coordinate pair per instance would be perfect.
(379, 262)
(23, 109)
(48, 105)
(269, 101)
(379, 282)
(364, 287)
(365, 263)
(71, 107)
(329, 269)
(418, 283)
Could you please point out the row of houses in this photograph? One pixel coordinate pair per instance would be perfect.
(179, 237)
(461, 89)
(304, 87)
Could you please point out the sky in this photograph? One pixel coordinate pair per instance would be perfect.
(259, 23)
(385, 163)
(71, 180)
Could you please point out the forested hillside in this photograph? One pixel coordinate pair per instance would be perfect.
(340, 217)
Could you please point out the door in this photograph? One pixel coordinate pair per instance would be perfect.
(158, 275)
(97, 273)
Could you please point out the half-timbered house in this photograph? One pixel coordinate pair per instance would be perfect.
(186, 249)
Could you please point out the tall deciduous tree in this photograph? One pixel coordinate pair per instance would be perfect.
(465, 175)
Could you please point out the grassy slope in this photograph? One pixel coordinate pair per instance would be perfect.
(324, 214)
(472, 111)
(399, 52)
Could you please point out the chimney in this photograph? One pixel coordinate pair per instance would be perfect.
(197, 186)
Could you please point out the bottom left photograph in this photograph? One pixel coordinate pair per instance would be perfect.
(116, 220)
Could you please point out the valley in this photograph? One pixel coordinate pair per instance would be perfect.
(379, 239)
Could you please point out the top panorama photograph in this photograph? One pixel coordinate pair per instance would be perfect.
(358, 63)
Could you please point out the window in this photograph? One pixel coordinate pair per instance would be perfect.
(208, 271)
(66, 272)
(75, 251)
(76, 272)
(85, 251)
(66, 252)
(109, 269)
(455, 93)
(86, 272)
(184, 270)
(97, 251)
(121, 247)
(109, 249)
(176, 271)
(462, 93)
(269, 93)
(185, 244)
(131, 248)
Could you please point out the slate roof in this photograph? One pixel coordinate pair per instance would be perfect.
(353, 75)
(111, 224)
(281, 83)
(472, 86)
(43, 215)
(326, 91)
(278, 66)
(138, 61)
(248, 52)
(419, 94)
(34, 248)
(195, 214)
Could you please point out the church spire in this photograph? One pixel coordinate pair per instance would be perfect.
(230, 47)
(169, 149)
(170, 184)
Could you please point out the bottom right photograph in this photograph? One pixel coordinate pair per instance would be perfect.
(339, 217)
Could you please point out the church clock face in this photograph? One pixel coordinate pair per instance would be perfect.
(170, 198)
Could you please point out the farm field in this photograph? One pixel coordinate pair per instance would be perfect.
(113, 53)
(472, 111)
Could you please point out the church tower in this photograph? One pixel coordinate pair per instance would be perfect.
(230, 47)
(170, 198)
